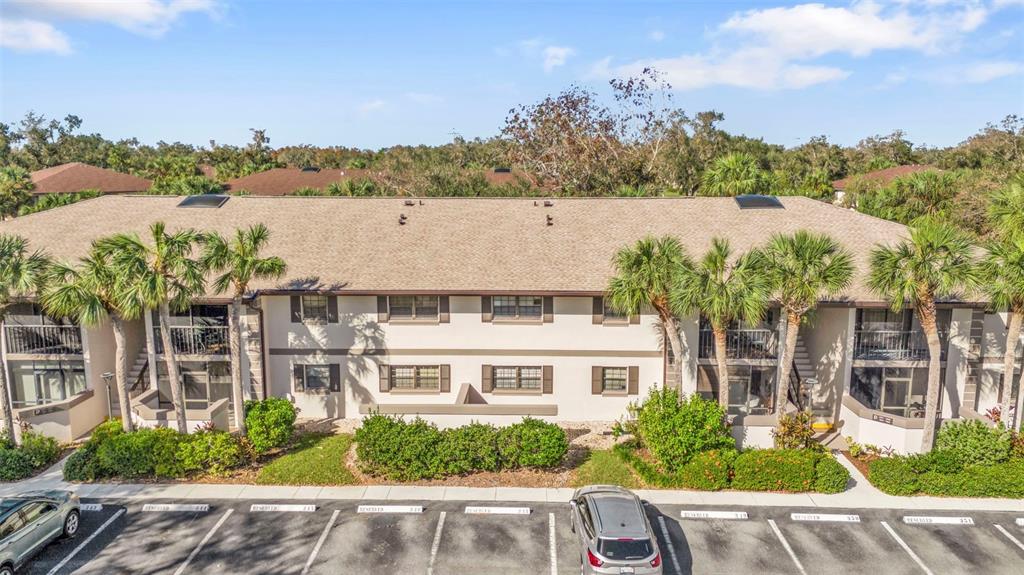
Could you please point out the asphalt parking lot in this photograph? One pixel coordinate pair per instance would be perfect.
(302, 538)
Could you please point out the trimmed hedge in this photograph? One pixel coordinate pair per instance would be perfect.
(409, 451)
(14, 464)
(35, 452)
(269, 423)
(831, 476)
(710, 470)
(675, 429)
(775, 470)
(930, 475)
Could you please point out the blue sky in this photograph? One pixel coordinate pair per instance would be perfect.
(373, 74)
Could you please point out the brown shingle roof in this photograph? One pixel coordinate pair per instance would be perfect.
(76, 176)
(883, 176)
(458, 245)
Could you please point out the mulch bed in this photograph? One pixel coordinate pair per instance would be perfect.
(861, 463)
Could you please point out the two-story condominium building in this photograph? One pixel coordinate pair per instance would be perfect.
(491, 310)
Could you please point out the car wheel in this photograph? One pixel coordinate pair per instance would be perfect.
(6, 570)
(71, 524)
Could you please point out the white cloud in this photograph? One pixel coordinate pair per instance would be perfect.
(371, 106)
(555, 56)
(982, 72)
(656, 35)
(776, 48)
(147, 17)
(33, 36)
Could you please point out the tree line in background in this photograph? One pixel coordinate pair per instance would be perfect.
(639, 144)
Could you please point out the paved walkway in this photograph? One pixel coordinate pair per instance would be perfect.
(860, 494)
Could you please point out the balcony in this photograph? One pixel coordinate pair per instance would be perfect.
(195, 340)
(741, 344)
(894, 345)
(44, 339)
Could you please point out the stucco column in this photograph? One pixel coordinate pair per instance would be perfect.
(147, 316)
(958, 350)
(690, 334)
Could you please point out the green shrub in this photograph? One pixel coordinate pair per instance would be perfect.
(42, 451)
(975, 443)
(15, 464)
(775, 470)
(795, 431)
(472, 447)
(532, 443)
(1017, 446)
(939, 460)
(830, 475)
(142, 453)
(214, 451)
(675, 429)
(82, 465)
(709, 470)
(893, 475)
(1001, 480)
(648, 472)
(269, 423)
(398, 450)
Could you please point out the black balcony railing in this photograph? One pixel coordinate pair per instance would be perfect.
(898, 345)
(44, 339)
(195, 340)
(741, 344)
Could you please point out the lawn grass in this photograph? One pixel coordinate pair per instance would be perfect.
(604, 467)
(315, 459)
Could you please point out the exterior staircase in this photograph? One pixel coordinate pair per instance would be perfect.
(803, 376)
(138, 381)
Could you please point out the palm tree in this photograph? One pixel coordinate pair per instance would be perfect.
(722, 291)
(91, 293)
(239, 262)
(164, 277)
(934, 262)
(1006, 209)
(1002, 278)
(803, 268)
(21, 274)
(735, 174)
(645, 274)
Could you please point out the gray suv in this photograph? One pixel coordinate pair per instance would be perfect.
(29, 522)
(613, 532)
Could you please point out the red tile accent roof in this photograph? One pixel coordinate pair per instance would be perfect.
(883, 176)
(76, 176)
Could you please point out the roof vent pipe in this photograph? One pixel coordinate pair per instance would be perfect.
(402, 219)
(551, 220)
(548, 203)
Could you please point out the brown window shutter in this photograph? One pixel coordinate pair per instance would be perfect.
(298, 378)
(382, 309)
(549, 309)
(335, 377)
(633, 383)
(296, 309)
(596, 380)
(332, 309)
(385, 377)
(446, 378)
(548, 383)
(486, 383)
(485, 308)
(634, 318)
(598, 311)
(444, 315)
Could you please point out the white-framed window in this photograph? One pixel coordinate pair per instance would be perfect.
(416, 377)
(615, 379)
(517, 377)
(518, 306)
(413, 306)
(316, 377)
(314, 308)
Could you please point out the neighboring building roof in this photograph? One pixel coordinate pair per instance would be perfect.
(284, 181)
(76, 176)
(883, 176)
(459, 245)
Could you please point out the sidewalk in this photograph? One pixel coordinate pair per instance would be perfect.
(860, 495)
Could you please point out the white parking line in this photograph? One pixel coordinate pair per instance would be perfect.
(256, 507)
(1010, 537)
(389, 509)
(186, 507)
(436, 544)
(82, 545)
(90, 507)
(671, 546)
(924, 520)
(1020, 522)
(907, 548)
(825, 517)
(789, 549)
(713, 514)
(475, 510)
(552, 548)
(206, 539)
(320, 542)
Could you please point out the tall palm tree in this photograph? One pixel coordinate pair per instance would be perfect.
(21, 274)
(802, 267)
(723, 291)
(934, 262)
(645, 274)
(1002, 278)
(165, 277)
(238, 261)
(735, 174)
(92, 293)
(1006, 209)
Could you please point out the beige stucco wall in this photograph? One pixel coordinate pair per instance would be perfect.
(826, 338)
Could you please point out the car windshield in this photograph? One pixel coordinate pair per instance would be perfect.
(625, 549)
